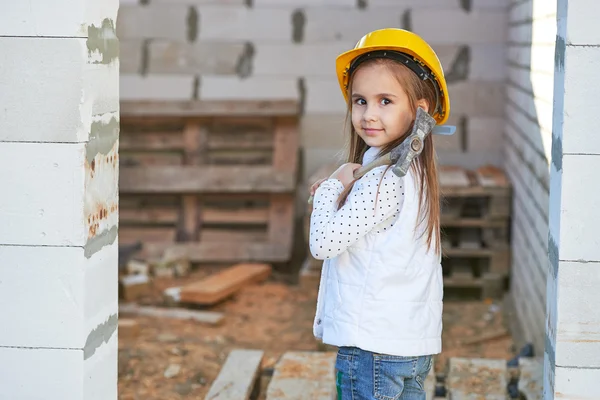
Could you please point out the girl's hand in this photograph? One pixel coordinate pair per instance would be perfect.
(316, 185)
(345, 173)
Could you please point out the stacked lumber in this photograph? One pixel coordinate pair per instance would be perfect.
(209, 182)
(475, 224)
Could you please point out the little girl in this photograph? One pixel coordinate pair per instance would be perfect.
(380, 296)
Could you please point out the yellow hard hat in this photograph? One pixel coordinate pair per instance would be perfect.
(403, 46)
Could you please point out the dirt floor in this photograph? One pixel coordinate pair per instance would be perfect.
(274, 317)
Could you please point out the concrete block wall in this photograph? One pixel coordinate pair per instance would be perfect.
(59, 80)
(527, 154)
(271, 49)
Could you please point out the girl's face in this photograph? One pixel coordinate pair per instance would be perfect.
(381, 111)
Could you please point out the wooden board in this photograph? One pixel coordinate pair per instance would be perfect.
(223, 284)
(237, 377)
(206, 317)
(303, 376)
(199, 108)
(205, 179)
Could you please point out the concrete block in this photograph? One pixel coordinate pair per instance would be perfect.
(202, 58)
(442, 4)
(57, 374)
(540, 84)
(537, 109)
(156, 87)
(582, 30)
(322, 130)
(202, 2)
(241, 23)
(576, 383)
(580, 117)
(578, 330)
(456, 26)
(61, 18)
(253, 88)
(154, 22)
(100, 371)
(544, 31)
(68, 74)
(130, 56)
(480, 99)
(323, 96)
(298, 60)
(47, 284)
(101, 288)
(485, 134)
(47, 186)
(333, 24)
(578, 238)
(484, 62)
(540, 57)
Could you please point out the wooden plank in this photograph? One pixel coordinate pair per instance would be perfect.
(194, 138)
(159, 215)
(136, 158)
(232, 236)
(459, 222)
(223, 252)
(303, 376)
(146, 141)
(205, 179)
(241, 216)
(281, 220)
(199, 108)
(221, 285)
(238, 376)
(453, 177)
(132, 234)
(205, 317)
(285, 151)
(240, 141)
(244, 157)
(489, 175)
(476, 378)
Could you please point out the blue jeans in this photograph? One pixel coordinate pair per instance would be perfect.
(362, 375)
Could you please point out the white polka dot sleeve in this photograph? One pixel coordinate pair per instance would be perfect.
(332, 231)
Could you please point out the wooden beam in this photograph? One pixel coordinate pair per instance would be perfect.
(198, 109)
(195, 140)
(148, 216)
(205, 179)
(144, 141)
(222, 252)
(238, 376)
(241, 216)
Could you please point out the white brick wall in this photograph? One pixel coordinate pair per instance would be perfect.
(528, 142)
(59, 73)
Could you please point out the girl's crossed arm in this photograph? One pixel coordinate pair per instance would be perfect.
(332, 231)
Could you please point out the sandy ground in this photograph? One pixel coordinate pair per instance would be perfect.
(274, 317)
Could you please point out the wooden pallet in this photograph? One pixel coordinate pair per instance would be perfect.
(214, 182)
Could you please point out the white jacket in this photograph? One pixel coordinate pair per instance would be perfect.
(381, 288)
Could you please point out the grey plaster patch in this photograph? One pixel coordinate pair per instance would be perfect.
(406, 20)
(96, 243)
(460, 68)
(559, 53)
(298, 25)
(361, 4)
(101, 334)
(466, 5)
(245, 63)
(302, 95)
(103, 136)
(557, 152)
(145, 57)
(549, 350)
(196, 88)
(103, 39)
(553, 255)
(463, 126)
(192, 24)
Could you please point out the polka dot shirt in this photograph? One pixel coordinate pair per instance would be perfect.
(372, 206)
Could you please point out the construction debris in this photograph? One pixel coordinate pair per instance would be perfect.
(238, 377)
(134, 287)
(128, 328)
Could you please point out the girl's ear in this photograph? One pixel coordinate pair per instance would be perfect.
(423, 104)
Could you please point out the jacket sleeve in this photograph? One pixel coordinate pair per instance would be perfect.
(332, 231)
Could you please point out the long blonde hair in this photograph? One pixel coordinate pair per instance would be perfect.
(424, 166)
